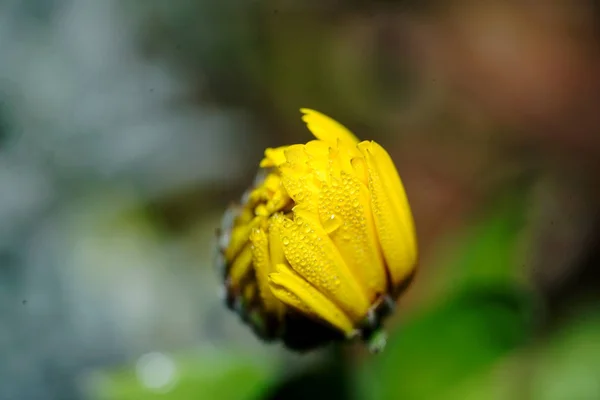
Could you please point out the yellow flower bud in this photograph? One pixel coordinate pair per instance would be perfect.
(322, 245)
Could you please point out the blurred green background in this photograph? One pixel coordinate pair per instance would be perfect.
(127, 127)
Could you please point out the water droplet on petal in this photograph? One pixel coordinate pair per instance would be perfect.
(332, 223)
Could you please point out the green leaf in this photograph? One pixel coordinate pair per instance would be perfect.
(564, 366)
(214, 376)
(445, 346)
(487, 252)
(568, 366)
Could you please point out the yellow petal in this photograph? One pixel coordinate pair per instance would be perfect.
(262, 269)
(249, 292)
(391, 212)
(317, 148)
(335, 164)
(239, 238)
(355, 237)
(360, 170)
(296, 292)
(275, 196)
(326, 129)
(273, 157)
(271, 184)
(241, 266)
(275, 246)
(313, 256)
(318, 159)
(299, 181)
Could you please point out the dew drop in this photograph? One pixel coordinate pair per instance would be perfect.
(286, 241)
(332, 223)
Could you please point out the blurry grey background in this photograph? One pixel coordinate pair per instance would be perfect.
(90, 130)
